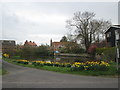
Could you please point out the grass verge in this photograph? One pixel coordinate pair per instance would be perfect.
(112, 72)
(3, 72)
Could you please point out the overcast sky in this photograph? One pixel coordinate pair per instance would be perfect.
(41, 21)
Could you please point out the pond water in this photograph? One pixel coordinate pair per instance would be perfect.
(64, 59)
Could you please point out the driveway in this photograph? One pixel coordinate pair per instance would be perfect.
(24, 77)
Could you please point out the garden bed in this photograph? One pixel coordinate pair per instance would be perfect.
(87, 68)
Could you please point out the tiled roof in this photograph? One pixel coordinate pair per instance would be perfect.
(30, 43)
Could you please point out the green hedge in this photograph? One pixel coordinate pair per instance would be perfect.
(107, 53)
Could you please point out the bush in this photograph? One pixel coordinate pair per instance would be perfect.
(72, 49)
(16, 57)
(92, 51)
(107, 53)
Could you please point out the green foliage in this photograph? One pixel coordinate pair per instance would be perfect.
(3, 71)
(16, 57)
(64, 39)
(78, 50)
(107, 53)
(28, 52)
(42, 51)
(72, 48)
(63, 50)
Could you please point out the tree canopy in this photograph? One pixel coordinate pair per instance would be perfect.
(64, 39)
(86, 28)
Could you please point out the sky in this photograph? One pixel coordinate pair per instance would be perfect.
(42, 21)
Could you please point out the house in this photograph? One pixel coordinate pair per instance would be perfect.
(113, 39)
(113, 35)
(56, 46)
(30, 43)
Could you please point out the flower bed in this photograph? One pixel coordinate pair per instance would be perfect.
(6, 55)
(77, 66)
(22, 61)
(91, 66)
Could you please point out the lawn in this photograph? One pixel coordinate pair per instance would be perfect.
(112, 72)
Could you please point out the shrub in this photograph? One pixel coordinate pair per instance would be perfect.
(107, 53)
(92, 51)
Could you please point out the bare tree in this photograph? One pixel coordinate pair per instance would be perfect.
(87, 28)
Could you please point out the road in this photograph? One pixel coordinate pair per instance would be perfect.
(24, 77)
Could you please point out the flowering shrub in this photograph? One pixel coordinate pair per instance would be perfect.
(92, 51)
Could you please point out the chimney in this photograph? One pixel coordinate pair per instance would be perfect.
(26, 41)
(51, 42)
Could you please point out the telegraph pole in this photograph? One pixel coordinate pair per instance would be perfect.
(117, 49)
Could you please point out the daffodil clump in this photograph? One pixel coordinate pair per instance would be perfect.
(6, 55)
(77, 66)
(22, 61)
(93, 65)
(47, 63)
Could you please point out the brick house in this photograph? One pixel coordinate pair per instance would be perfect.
(30, 43)
(56, 46)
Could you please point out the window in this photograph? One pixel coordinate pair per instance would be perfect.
(117, 35)
(108, 34)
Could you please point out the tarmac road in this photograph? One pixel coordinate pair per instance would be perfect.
(24, 77)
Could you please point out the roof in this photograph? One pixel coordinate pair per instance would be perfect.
(30, 43)
(6, 40)
(114, 26)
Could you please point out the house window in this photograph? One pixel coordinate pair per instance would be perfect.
(117, 35)
(108, 34)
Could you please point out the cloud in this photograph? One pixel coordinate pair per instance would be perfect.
(42, 21)
(40, 17)
(21, 25)
(59, 0)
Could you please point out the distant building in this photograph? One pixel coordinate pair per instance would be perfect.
(6, 45)
(58, 45)
(113, 34)
(30, 43)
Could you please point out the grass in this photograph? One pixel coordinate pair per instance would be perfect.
(112, 72)
(3, 72)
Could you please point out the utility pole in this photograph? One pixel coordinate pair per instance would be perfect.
(117, 49)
